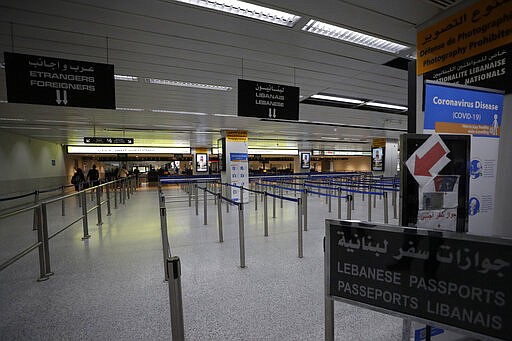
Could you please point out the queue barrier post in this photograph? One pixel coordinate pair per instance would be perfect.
(349, 206)
(227, 203)
(173, 266)
(63, 202)
(214, 189)
(127, 186)
(115, 196)
(329, 197)
(79, 197)
(205, 207)
(406, 330)
(386, 215)
(46, 246)
(35, 222)
(299, 228)
(164, 233)
(196, 196)
(265, 213)
(98, 206)
(85, 222)
(281, 193)
(255, 200)
(329, 319)
(190, 194)
(41, 248)
(369, 207)
(339, 203)
(394, 205)
(219, 216)
(374, 201)
(274, 202)
(241, 233)
(107, 188)
(123, 190)
(305, 208)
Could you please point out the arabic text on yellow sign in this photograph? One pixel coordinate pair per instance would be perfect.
(484, 26)
(237, 136)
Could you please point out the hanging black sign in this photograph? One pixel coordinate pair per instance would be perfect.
(61, 82)
(108, 140)
(492, 69)
(452, 279)
(267, 100)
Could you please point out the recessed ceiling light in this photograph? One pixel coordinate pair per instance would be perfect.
(338, 99)
(126, 78)
(179, 112)
(385, 105)
(248, 10)
(224, 115)
(130, 109)
(187, 84)
(12, 119)
(354, 37)
(59, 121)
(22, 127)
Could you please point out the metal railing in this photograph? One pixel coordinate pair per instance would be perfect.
(125, 186)
(172, 274)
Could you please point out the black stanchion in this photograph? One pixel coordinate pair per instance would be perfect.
(175, 298)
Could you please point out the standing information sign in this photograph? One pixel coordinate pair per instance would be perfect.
(454, 109)
(453, 280)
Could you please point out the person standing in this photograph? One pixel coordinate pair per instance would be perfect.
(123, 172)
(136, 172)
(78, 179)
(93, 176)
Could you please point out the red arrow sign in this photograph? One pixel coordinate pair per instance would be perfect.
(423, 165)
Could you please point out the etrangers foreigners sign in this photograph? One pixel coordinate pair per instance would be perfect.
(449, 278)
(61, 82)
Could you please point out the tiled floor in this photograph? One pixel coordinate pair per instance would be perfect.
(111, 286)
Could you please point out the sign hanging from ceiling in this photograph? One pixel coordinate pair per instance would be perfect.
(267, 100)
(479, 28)
(60, 82)
(108, 140)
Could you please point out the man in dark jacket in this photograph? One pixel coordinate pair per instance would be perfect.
(78, 179)
(93, 176)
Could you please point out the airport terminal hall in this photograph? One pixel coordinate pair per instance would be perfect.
(289, 170)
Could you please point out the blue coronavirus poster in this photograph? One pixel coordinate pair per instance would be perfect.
(455, 109)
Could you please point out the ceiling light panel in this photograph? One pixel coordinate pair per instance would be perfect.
(385, 105)
(248, 10)
(126, 78)
(179, 112)
(338, 99)
(340, 33)
(187, 84)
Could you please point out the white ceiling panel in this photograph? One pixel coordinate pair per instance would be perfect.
(169, 40)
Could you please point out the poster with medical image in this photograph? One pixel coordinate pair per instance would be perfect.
(456, 109)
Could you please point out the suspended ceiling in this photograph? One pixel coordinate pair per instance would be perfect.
(175, 41)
